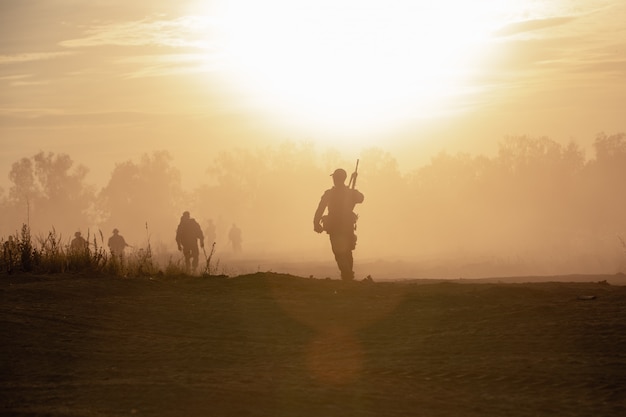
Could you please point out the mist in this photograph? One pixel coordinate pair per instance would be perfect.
(537, 207)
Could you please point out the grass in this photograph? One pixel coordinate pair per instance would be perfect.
(48, 254)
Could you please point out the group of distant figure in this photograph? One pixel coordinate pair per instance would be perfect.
(188, 235)
(116, 243)
(339, 223)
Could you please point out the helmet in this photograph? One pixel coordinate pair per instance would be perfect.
(339, 175)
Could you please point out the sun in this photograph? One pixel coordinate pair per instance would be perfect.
(351, 66)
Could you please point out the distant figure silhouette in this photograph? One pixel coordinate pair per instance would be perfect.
(211, 233)
(234, 236)
(117, 244)
(187, 235)
(340, 222)
(78, 244)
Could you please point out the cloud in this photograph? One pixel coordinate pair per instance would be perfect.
(166, 58)
(20, 80)
(616, 67)
(526, 26)
(15, 77)
(169, 64)
(517, 56)
(33, 56)
(48, 118)
(186, 31)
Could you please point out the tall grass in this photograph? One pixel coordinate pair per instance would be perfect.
(48, 255)
(210, 270)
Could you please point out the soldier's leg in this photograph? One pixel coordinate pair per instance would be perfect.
(195, 253)
(348, 259)
(344, 261)
(187, 254)
(348, 266)
(342, 249)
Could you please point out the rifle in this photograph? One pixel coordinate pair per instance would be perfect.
(352, 182)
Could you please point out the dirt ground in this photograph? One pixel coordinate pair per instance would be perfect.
(277, 345)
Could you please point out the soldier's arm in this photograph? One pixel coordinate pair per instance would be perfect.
(199, 234)
(177, 234)
(321, 207)
(178, 237)
(317, 218)
(358, 197)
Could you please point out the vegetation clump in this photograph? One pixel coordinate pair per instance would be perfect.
(48, 255)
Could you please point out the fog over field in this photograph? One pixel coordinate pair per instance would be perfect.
(538, 207)
(489, 133)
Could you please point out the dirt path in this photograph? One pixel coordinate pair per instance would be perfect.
(277, 345)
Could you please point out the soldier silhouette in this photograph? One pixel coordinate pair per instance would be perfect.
(79, 244)
(187, 235)
(234, 236)
(117, 244)
(340, 222)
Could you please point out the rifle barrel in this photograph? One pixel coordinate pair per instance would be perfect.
(352, 183)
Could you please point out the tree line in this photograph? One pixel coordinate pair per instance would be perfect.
(535, 199)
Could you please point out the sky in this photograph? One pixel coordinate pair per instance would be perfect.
(106, 81)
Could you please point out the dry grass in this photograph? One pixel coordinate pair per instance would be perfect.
(21, 253)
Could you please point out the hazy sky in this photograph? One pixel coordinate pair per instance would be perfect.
(107, 80)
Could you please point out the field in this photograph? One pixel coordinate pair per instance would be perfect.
(271, 344)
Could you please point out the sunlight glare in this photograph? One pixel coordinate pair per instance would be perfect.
(353, 65)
